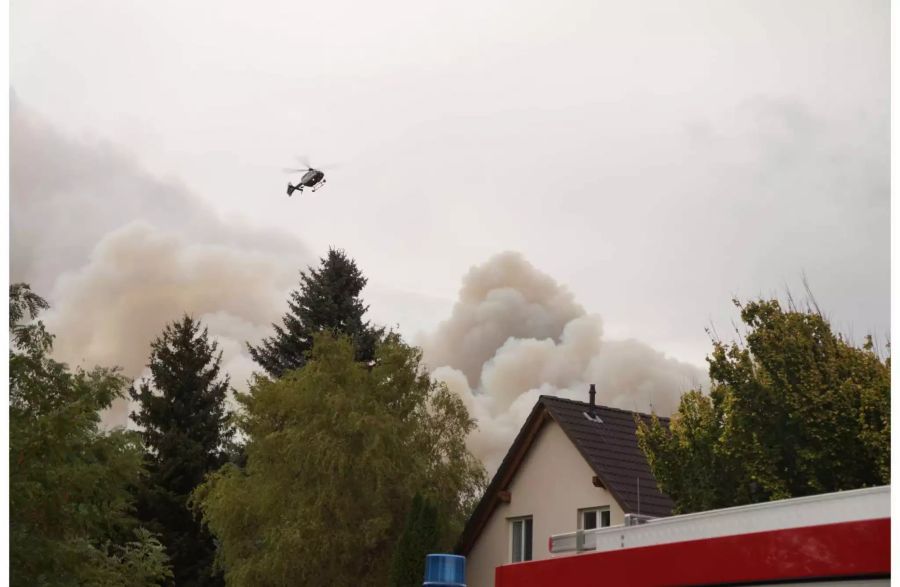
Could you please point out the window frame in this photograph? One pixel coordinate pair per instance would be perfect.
(527, 549)
(599, 511)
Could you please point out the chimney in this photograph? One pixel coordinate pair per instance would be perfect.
(591, 413)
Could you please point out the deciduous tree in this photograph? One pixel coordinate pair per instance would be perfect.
(335, 453)
(795, 410)
(70, 482)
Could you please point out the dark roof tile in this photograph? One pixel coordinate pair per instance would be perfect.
(612, 450)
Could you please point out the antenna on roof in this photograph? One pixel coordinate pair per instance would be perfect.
(639, 494)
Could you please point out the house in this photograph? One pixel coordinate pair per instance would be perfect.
(572, 465)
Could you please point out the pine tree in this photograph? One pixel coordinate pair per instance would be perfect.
(185, 432)
(421, 536)
(328, 299)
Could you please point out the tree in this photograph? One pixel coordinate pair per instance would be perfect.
(328, 299)
(336, 451)
(796, 410)
(70, 502)
(183, 420)
(420, 537)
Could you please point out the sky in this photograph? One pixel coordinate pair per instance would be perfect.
(634, 165)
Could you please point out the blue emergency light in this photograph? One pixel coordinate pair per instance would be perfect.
(445, 570)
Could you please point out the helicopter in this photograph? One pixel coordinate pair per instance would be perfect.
(312, 178)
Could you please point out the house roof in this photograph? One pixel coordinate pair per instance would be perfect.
(610, 447)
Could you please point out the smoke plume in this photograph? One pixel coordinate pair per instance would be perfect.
(119, 253)
(515, 334)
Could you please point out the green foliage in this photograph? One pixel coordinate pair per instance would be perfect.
(69, 486)
(335, 453)
(421, 536)
(28, 337)
(141, 561)
(794, 411)
(328, 299)
(184, 431)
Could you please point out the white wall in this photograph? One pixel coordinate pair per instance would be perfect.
(553, 482)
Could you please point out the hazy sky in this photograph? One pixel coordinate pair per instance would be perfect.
(655, 158)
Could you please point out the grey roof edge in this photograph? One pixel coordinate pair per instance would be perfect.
(485, 506)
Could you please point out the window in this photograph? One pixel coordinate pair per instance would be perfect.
(520, 532)
(593, 518)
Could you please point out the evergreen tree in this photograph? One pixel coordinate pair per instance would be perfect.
(328, 299)
(421, 536)
(70, 504)
(185, 432)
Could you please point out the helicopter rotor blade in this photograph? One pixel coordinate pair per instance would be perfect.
(293, 170)
(307, 166)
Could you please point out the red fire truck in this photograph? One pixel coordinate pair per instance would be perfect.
(838, 538)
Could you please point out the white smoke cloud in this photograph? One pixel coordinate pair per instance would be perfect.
(120, 253)
(516, 334)
(503, 298)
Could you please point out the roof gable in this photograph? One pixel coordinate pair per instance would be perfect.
(610, 448)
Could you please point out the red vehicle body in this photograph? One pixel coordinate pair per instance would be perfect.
(842, 537)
